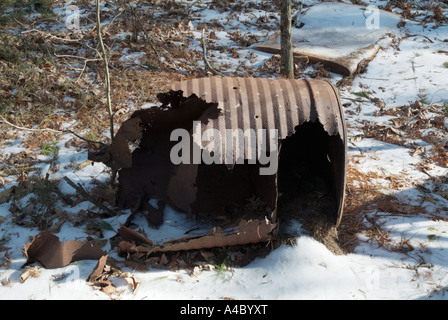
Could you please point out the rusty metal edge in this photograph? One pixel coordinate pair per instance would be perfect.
(343, 164)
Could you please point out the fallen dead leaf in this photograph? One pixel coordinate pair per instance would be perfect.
(82, 165)
(195, 272)
(99, 268)
(418, 151)
(132, 281)
(357, 138)
(104, 285)
(109, 289)
(59, 277)
(33, 272)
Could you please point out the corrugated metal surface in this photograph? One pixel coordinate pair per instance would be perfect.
(252, 103)
(255, 103)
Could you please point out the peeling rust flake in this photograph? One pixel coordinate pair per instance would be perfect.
(235, 151)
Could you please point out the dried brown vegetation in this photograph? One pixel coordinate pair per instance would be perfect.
(51, 78)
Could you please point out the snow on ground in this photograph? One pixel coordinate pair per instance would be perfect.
(403, 73)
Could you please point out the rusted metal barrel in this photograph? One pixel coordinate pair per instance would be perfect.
(284, 105)
(241, 152)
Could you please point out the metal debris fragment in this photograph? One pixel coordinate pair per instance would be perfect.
(231, 190)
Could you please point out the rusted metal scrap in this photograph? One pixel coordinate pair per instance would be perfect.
(47, 249)
(304, 129)
(345, 42)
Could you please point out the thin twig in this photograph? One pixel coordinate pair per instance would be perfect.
(50, 130)
(85, 194)
(69, 56)
(85, 66)
(113, 19)
(86, 60)
(355, 99)
(106, 69)
(50, 36)
(418, 35)
(204, 55)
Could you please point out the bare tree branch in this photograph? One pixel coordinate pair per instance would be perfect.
(204, 55)
(287, 59)
(106, 69)
(85, 194)
(2, 119)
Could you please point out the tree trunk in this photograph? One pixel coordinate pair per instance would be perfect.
(287, 61)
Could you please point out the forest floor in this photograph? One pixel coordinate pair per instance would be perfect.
(394, 232)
